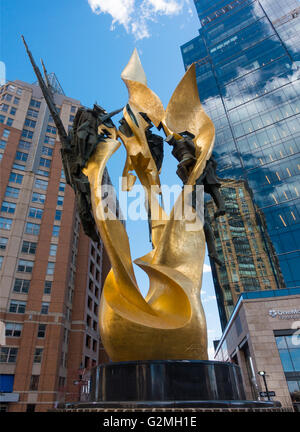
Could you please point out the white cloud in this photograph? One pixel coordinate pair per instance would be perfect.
(120, 10)
(164, 7)
(211, 353)
(135, 15)
(206, 268)
(208, 298)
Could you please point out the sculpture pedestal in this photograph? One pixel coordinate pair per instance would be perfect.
(168, 384)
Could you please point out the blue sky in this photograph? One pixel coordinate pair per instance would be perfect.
(87, 43)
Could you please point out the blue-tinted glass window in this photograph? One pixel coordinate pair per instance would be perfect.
(289, 351)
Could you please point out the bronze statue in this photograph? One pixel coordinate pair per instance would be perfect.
(169, 323)
(184, 152)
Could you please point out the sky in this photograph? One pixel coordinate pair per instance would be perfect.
(87, 43)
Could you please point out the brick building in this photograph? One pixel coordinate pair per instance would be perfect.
(262, 335)
(51, 273)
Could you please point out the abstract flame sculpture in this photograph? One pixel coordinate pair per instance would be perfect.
(169, 323)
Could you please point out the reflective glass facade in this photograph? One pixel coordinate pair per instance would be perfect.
(247, 61)
(243, 246)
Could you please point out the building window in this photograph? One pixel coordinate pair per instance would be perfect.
(21, 286)
(47, 151)
(34, 382)
(8, 207)
(16, 178)
(73, 109)
(41, 331)
(5, 223)
(28, 247)
(9, 121)
(37, 358)
(45, 162)
(49, 140)
(3, 144)
(30, 408)
(58, 214)
(18, 167)
(88, 321)
(35, 103)
(4, 107)
(38, 198)
(32, 113)
(8, 97)
(55, 231)
(30, 123)
(21, 156)
(289, 352)
(43, 173)
(60, 200)
(88, 341)
(12, 192)
(24, 145)
(17, 306)
(27, 134)
(33, 229)
(2, 118)
(41, 184)
(6, 133)
(19, 91)
(45, 308)
(8, 355)
(71, 119)
(25, 266)
(53, 250)
(3, 242)
(13, 111)
(16, 101)
(62, 186)
(51, 129)
(35, 213)
(50, 268)
(1, 261)
(13, 329)
(11, 88)
(47, 287)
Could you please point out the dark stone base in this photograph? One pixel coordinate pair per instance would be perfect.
(168, 384)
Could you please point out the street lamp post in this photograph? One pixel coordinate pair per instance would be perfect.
(263, 375)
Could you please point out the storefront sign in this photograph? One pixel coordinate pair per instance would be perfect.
(291, 314)
(266, 394)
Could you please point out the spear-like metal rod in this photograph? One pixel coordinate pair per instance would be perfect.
(111, 114)
(49, 100)
(45, 75)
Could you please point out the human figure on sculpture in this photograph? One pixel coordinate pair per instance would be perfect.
(184, 152)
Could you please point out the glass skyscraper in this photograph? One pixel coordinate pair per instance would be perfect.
(247, 63)
(244, 248)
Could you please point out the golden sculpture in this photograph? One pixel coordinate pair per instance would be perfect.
(170, 322)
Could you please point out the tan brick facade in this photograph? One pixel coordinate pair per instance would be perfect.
(73, 266)
(253, 326)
